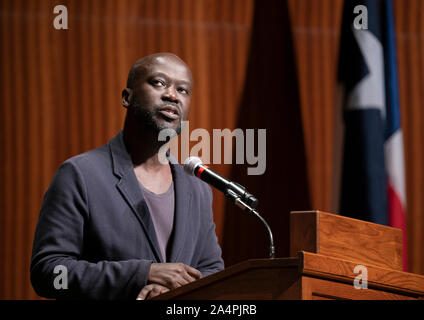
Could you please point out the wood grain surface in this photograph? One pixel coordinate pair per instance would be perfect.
(346, 238)
(378, 278)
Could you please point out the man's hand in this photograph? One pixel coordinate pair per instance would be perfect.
(151, 290)
(172, 275)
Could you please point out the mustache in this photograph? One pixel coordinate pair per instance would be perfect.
(174, 107)
(147, 117)
(135, 104)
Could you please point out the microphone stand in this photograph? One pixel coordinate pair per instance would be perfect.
(230, 194)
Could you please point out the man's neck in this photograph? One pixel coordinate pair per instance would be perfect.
(143, 146)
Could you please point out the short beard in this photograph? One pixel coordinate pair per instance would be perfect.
(146, 118)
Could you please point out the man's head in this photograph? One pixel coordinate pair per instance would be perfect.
(158, 92)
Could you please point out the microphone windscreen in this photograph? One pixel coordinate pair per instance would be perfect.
(190, 164)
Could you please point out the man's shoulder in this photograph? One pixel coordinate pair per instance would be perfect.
(97, 157)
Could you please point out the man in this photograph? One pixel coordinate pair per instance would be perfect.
(119, 222)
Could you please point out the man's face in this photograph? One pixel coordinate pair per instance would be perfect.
(162, 94)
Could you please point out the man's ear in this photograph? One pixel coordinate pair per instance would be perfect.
(127, 95)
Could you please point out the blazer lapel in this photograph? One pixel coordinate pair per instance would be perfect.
(182, 209)
(129, 188)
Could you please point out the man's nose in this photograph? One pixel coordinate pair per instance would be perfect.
(170, 94)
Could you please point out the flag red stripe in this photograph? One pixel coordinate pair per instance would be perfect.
(397, 218)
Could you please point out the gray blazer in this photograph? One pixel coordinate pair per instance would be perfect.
(95, 222)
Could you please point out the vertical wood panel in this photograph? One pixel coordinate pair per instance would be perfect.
(8, 156)
(33, 177)
(61, 92)
(410, 41)
(316, 30)
(18, 132)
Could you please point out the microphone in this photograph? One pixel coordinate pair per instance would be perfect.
(232, 190)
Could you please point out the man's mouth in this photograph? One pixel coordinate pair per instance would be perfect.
(170, 112)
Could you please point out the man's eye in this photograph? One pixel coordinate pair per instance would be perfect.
(158, 83)
(183, 90)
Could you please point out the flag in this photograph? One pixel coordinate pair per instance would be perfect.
(373, 177)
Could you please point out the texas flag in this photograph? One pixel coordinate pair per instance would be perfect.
(373, 178)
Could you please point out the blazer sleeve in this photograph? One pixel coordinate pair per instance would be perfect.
(58, 241)
(211, 254)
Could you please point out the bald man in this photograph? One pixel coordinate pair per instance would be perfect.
(118, 223)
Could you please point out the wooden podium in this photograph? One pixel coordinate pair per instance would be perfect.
(325, 249)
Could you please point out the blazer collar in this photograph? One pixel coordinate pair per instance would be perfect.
(128, 186)
(121, 159)
(182, 188)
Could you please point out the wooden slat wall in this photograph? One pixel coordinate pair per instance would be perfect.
(61, 89)
(409, 19)
(316, 30)
(60, 95)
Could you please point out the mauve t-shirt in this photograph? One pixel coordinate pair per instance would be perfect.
(161, 207)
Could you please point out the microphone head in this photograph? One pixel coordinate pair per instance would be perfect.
(191, 163)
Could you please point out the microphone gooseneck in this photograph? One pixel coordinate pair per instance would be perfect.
(239, 203)
(232, 191)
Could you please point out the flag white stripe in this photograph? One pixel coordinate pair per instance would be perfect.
(395, 167)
